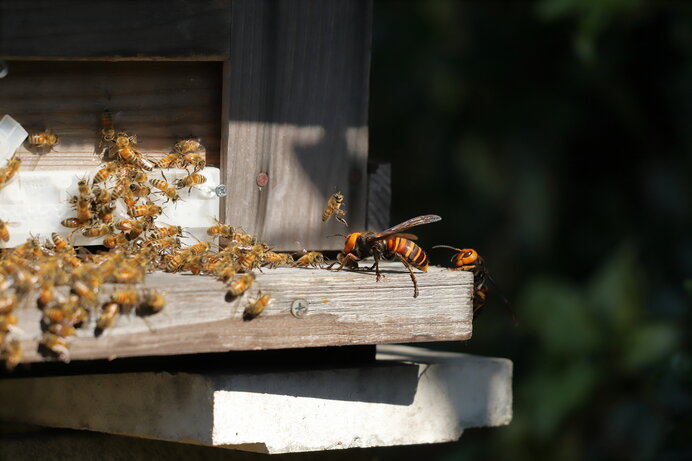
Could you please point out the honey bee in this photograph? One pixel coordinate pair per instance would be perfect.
(107, 130)
(59, 242)
(84, 188)
(175, 261)
(73, 223)
(240, 285)
(144, 210)
(171, 160)
(166, 242)
(152, 302)
(84, 212)
(55, 345)
(11, 354)
(121, 186)
(143, 163)
(166, 189)
(187, 146)
(199, 248)
(8, 303)
(194, 160)
(256, 307)
(220, 229)
(114, 240)
(104, 173)
(43, 140)
(138, 176)
(85, 292)
(125, 297)
(169, 231)
(109, 312)
(101, 195)
(389, 244)
(334, 208)
(4, 231)
(190, 181)
(313, 258)
(274, 260)
(98, 231)
(139, 190)
(10, 169)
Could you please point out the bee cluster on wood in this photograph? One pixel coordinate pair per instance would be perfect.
(71, 287)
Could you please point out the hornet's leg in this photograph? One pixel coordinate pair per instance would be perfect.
(344, 261)
(410, 271)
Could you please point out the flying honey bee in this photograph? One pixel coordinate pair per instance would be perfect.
(107, 130)
(43, 140)
(240, 285)
(255, 308)
(334, 208)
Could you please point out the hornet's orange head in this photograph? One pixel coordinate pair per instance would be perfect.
(465, 257)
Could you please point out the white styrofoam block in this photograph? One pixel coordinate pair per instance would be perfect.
(36, 202)
(12, 135)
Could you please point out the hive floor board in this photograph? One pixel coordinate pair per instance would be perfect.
(343, 308)
(409, 396)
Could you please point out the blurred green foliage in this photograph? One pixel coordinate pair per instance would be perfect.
(556, 138)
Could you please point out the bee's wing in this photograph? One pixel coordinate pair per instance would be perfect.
(399, 228)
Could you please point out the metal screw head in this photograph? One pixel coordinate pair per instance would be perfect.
(221, 190)
(299, 308)
(262, 179)
(3, 69)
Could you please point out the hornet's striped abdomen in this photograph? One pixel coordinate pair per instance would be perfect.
(409, 250)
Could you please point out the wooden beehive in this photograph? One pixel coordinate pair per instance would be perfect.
(278, 92)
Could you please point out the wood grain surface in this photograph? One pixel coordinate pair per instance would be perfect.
(344, 308)
(160, 102)
(296, 98)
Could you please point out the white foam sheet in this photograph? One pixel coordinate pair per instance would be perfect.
(35, 202)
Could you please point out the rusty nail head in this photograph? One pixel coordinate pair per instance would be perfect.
(299, 307)
(262, 179)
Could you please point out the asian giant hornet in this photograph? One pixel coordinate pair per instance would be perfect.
(468, 259)
(389, 244)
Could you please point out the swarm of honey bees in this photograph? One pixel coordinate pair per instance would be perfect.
(76, 288)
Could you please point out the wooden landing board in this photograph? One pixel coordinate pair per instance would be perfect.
(160, 102)
(343, 308)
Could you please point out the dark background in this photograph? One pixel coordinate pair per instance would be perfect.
(554, 137)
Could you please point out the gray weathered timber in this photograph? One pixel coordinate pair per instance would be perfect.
(114, 29)
(409, 396)
(295, 107)
(160, 102)
(344, 308)
(379, 195)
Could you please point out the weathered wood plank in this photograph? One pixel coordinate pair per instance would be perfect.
(112, 29)
(379, 195)
(296, 95)
(159, 101)
(344, 308)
